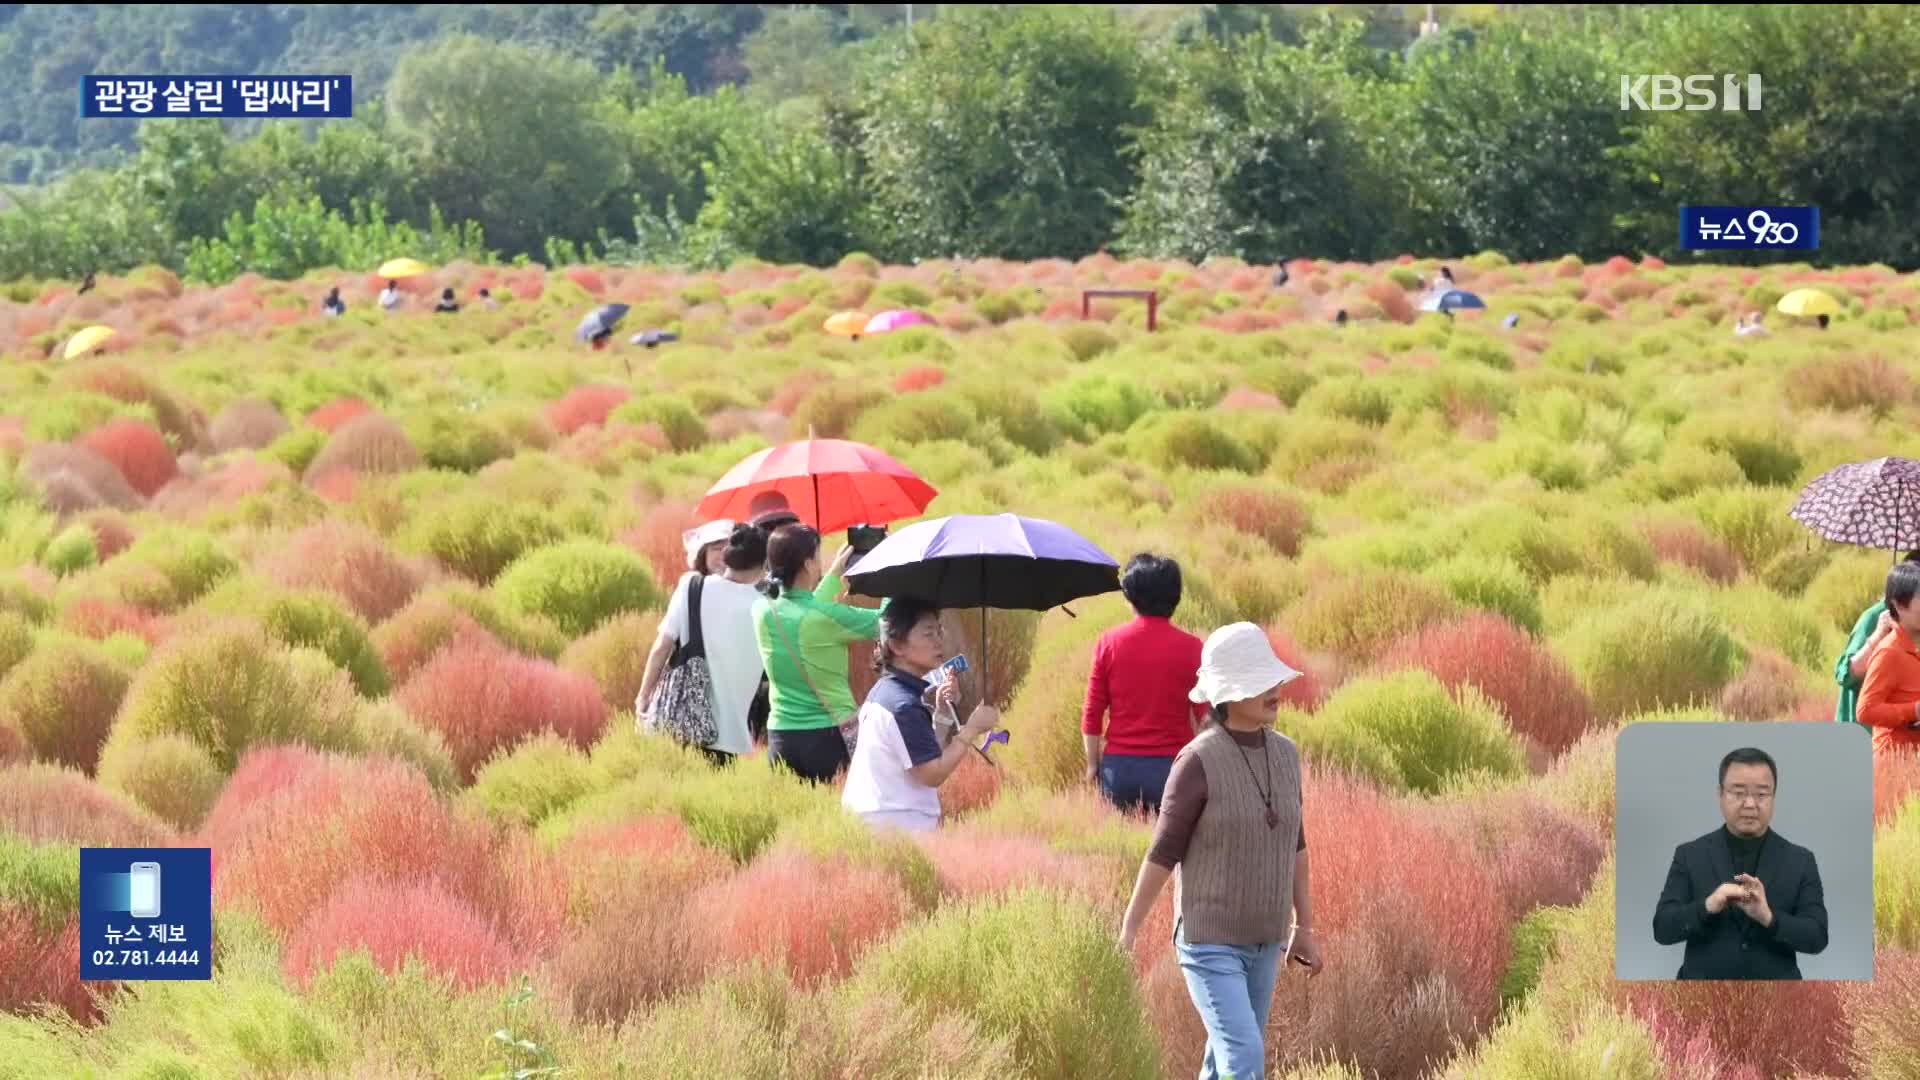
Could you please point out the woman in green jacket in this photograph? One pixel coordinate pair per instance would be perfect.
(803, 632)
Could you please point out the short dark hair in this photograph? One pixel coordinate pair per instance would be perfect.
(1903, 584)
(1748, 755)
(1912, 556)
(902, 615)
(788, 550)
(746, 548)
(1152, 584)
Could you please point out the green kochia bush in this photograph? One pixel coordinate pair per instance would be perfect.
(1192, 440)
(1038, 967)
(476, 536)
(228, 690)
(539, 777)
(1428, 733)
(310, 619)
(1649, 653)
(1097, 403)
(578, 584)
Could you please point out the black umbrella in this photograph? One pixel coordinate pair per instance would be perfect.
(599, 321)
(986, 561)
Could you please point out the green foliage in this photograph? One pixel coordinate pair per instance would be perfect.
(227, 690)
(1428, 734)
(1496, 584)
(1191, 440)
(1037, 966)
(457, 440)
(1652, 652)
(578, 584)
(477, 537)
(828, 832)
(538, 778)
(170, 775)
(70, 552)
(682, 426)
(297, 448)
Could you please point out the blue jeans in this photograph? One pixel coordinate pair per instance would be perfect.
(1232, 987)
(1131, 781)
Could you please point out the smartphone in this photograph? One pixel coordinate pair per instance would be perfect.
(864, 538)
(143, 893)
(946, 671)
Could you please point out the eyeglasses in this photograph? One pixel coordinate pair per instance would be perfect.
(931, 631)
(1740, 795)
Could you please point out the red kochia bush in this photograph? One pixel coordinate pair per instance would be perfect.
(49, 804)
(1535, 688)
(1274, 516)
(1896, 780)
(1814, 1042)
(1539, 855)
(138, 451)
(338, 818)
(247, 424)
(79, 478)
(369, 444)
(349, 561)
(99, 619)
(1310, 689)
(337, 413)
(420, 630)
(827, 913)
(38, 964)
(919, 378)
(484, 699)
(972, 863)
(585, 406)
(1770, 689)
(1362, 846)
(657, 538)
(112, 532)
(1881, 1012)
(587, 278)
(394, 921)
(1689, 545)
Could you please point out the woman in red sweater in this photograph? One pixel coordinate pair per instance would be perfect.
(1138, 717)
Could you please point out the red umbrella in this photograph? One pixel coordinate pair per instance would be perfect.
(831, 483)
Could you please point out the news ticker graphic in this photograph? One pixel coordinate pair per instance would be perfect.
(146, 913)
(1750, 228)
(289, 96)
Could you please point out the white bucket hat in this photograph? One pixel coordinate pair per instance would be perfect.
(1238, 663)
(697, 538)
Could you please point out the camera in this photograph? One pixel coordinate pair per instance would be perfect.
(864, 538)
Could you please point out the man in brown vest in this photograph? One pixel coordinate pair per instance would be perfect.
(1231, 823)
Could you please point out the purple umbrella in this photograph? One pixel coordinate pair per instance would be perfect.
(1873, 504)
(986, 561)
(895, 320)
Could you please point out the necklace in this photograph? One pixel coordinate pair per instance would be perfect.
(1266, 794)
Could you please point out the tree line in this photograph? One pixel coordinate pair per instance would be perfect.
(1027, 132)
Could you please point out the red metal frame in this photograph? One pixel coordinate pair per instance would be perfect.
(1151, 296)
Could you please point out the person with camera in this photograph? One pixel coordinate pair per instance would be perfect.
(803, 632)
(898, 762)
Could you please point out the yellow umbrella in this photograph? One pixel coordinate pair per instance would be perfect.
(87, 339)
(848, 324)
(403, 268)
(1808, 303)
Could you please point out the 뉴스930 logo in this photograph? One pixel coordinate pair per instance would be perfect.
(1662, 93)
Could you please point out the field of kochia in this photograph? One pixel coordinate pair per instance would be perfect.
(363, 604)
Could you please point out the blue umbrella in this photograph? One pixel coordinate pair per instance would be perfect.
(1452, 300)
(986, 561)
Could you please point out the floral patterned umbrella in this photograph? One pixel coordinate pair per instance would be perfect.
(1872, 504)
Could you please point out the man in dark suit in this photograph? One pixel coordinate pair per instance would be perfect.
(1743, 898)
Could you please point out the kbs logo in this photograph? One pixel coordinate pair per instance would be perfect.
(1700, 97)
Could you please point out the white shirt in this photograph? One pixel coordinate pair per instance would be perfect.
(733, 653)
(880, 778)
(390, 298)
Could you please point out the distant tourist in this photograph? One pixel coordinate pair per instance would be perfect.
(447, 305)
(390, 296)
(87, 285)
(1340, 317)
(727, 595)
(487, 301)
(333, 306)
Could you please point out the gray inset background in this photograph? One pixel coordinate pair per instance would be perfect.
(1666, 795)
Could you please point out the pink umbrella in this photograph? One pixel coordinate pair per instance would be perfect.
(894, 320)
